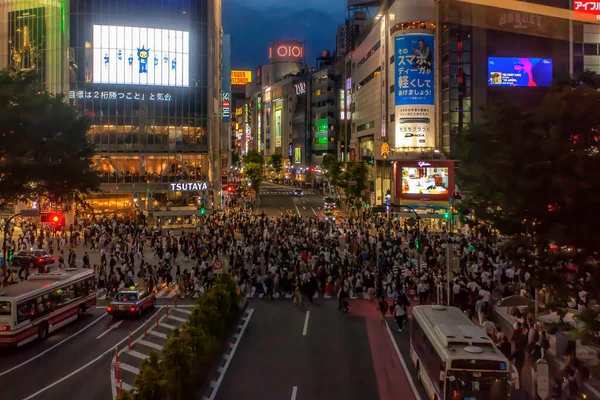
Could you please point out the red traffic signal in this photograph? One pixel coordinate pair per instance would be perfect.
(56, 219)
(230, 189)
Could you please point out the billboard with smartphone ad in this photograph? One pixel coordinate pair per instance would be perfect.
(425, 180)
(414, 98)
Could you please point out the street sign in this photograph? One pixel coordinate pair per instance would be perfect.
(450, 201)
(30, 213)
(217, 265)
(412, 221)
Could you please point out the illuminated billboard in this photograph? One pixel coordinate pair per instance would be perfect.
(140, 56)
(425, 180)
(513, 71)
(290, 51)
(240, 77)
(586, 10)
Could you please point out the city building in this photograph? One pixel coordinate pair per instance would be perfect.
(35, 37)
(148, 78)
(421, 71)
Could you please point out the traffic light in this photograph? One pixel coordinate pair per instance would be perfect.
(446, 215)
(417, 244)
(229, 189)
(11, 252)
(56, 219)
(202, 210)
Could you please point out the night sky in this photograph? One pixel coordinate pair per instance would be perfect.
(256, 23)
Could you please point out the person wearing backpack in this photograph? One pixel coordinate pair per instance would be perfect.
(383, 307)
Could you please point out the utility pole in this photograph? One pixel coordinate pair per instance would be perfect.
(448, 262)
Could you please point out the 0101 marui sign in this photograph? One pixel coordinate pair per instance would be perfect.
(414, 98)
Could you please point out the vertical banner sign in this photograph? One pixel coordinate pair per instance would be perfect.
(268, 126)
(226, 107)
(383, 35)
(414, 103)
(278, 108)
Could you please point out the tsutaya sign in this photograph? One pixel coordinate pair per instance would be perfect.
(189, 187)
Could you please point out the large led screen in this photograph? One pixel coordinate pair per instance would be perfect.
(140, 56)
(426, 180)
(506, 71)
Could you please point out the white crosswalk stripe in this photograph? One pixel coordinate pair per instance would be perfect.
(161, 294)
(282, 192)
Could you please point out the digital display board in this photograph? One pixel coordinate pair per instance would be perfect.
(511, 71)
(586, 10)
(425, 180)
(140, 56)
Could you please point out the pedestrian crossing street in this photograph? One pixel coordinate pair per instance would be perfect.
(283, 192)
(165, 293)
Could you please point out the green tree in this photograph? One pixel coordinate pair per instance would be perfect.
(275, 162)
(177, 365)
(150, 384)
(532, 175)
(254, 157)
(254, 172)
(44, 148)
(333, 168)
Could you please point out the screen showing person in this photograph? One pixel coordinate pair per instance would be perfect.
(425, 180)
(509, 71)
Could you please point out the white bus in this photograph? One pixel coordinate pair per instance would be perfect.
(455, 359)
(34, 308)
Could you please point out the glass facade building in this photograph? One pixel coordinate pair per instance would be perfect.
(141, 71)
(34, 34)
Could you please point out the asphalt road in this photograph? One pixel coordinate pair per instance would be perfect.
(274, 196)
(74, 363)
(327, 355)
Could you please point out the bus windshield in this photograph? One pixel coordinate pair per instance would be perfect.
(469, 385)
(4, 307)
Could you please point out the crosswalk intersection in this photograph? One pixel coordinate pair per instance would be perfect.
(283, 192)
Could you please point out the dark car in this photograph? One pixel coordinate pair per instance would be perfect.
(131, 302)
(329, 202)
(33, 259)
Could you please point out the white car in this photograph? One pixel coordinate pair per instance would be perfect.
(298, 192)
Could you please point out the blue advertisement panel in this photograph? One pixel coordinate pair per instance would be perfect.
(414, 69)
(414, 99)
(512, 71)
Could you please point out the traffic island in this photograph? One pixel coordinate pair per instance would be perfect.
(173, 368)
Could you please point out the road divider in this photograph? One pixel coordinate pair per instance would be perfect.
(110, 328)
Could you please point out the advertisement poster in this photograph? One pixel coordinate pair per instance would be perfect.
(140, 56)
(426, 180)
(414, 98)
(278, 108)
(26, 43)
(506, 71)
(297, 155)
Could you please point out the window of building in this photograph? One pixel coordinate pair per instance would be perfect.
(369, 54)
(365, 126)
(392, 88)
(368, 78)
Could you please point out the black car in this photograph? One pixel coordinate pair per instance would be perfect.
(33, 259)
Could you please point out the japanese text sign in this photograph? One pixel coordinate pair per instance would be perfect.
(414, 69)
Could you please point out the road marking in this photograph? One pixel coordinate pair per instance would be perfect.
(137, 354)
(304, 207)
(410, 379)
(221, 376)
(95, 360)
(146, 343)
(130, 368)
(314, 212)
(297, 210)
(53, 347)
(110, 328)
(174, 318)
(126, 386)
(306, 323)
(158, 334)
(294, 392)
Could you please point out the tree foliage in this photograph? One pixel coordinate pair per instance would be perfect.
(333, 169)
(532, 173)
(275, 162)
(190, 351)
(254, 157)
(354, 177)
(254, 172)
(44, 148)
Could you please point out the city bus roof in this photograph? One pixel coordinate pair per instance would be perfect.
(41, 283)
(454, 335)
